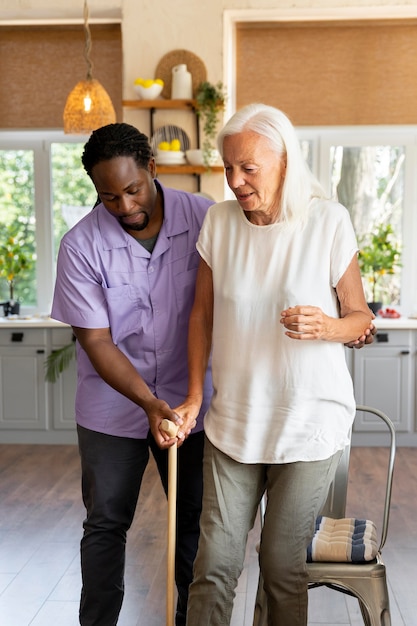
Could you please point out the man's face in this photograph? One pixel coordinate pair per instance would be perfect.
(127, 191)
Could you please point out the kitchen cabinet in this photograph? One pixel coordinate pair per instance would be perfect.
(31, 409)
(23, 403)
(384, 376)
(34, 411)
(63, 390)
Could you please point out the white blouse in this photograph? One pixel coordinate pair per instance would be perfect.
(276, 399)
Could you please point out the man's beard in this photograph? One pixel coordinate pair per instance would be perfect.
(136, 227)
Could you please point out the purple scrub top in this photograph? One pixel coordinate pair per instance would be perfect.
(105, 278)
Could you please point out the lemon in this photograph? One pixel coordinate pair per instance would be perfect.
(139, 81)
(175, 145)
(164, 145)
(159, 81)
(148, 83)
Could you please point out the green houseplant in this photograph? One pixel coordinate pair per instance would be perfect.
(14, 260)
(211, 101)
(59, 360)
(378, 257)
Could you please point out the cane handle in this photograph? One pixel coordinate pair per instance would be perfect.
(169, 427)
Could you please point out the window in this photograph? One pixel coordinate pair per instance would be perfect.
(369, 181)
(44, 190)
(73, 194)
(17, 220)
(370, 171)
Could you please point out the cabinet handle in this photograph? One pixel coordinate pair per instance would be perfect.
(405, 352)
(40, 351)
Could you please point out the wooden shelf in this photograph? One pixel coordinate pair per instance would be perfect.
(161, 104)
(188, 169)
(179, 105)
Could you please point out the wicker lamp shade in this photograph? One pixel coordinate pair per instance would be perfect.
(88, 107)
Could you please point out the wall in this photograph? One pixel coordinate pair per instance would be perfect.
(153, 27)
(150, 29)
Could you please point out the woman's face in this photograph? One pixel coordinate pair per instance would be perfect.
(255, 173)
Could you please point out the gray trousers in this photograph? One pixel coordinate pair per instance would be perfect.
(232, 492)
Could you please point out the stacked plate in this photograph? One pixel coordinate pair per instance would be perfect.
(167, 134)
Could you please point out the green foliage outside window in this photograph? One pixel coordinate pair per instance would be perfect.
(17, 225)
(370, 181)
(69, 185)
(379, 257)
(16, 260)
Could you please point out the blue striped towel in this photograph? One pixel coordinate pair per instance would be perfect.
(343, 540)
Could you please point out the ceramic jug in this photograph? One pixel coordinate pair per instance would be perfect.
(182, 87)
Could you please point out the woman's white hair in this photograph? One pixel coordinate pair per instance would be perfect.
(300, 185)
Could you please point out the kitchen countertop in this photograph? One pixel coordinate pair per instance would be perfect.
(37, 321)
(402, 323)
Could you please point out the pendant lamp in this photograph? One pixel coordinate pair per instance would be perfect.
(88, 105)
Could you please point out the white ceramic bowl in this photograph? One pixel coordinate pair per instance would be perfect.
(195, 157)
(148, 93)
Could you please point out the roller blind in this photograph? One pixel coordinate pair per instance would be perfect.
(39, 66)
(330, 73)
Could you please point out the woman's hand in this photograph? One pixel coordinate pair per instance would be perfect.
(310, 322)
(354, 324)
(188, 412)
(306, 322)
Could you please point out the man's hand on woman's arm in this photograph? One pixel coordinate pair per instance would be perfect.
(363, 340)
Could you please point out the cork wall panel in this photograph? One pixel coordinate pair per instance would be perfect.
(330, 74)
(39, 66)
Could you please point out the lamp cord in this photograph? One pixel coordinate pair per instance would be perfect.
(88, 44)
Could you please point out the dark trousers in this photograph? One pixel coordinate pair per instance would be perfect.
(112, 472)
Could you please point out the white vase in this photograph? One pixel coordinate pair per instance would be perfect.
(182, 86)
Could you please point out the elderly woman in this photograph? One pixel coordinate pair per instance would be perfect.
(278, 294)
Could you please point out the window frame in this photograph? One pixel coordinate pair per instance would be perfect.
(40, 141)
(322, 138)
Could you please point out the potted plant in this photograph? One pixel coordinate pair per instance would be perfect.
(379, 256)
(211, 100)
(14, 260)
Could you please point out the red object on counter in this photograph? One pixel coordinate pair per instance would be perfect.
(389, 313)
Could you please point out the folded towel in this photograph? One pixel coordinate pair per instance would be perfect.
(343, 540)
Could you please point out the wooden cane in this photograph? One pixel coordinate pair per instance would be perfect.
(171, 429)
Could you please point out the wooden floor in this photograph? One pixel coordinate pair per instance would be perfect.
(40, 528)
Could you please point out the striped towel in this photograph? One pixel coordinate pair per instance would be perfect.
(343, 540)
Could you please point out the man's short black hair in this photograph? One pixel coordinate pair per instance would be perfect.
(116, 140)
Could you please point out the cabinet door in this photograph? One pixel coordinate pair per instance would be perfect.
(63, 394)
(63, 390)
(23, 389)
(382, 379)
